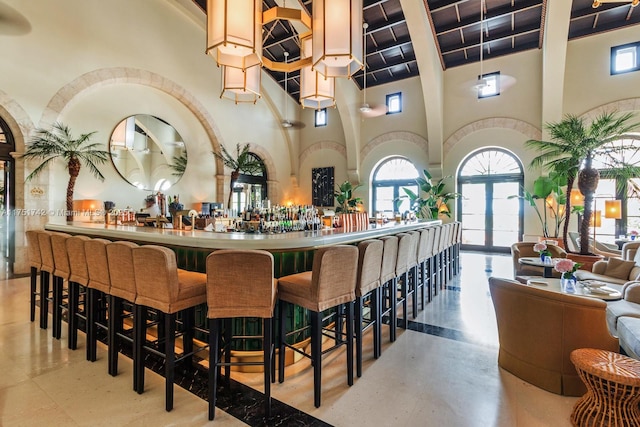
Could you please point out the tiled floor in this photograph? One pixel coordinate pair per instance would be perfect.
(441, 372)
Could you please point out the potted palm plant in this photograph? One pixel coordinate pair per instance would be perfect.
(431, 200)
(59, 143)
(573, 146)
(242, 162)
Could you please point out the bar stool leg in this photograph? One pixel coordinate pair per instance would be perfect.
(393, 285)
(267, 347)
(316, 355)
(32, 295)
(349, 338)
(140, 331)
(282, 336)
(214, 349)
(57, 311)
(115, 327)
(169, 363)
(376, 303)
(92, 308)
(72, 324)
(358, 335)
(44, 303)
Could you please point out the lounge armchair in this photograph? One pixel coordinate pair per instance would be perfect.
(538, 329)
(607, 250)
(616, 271)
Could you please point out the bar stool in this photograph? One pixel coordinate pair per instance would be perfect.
(169, 290)
(78, 278)
(123, 288)
(412, 271)
(458, 243)
(235, 291)
(389, 285)
(368, 282)
(46, 270)
(35, 263)
(331, 283)
(424, 284)
(434, 274)
(98, 288)
(61, 273)
(405, 249)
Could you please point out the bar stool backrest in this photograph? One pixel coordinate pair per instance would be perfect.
(60, 256)
(369, 266)
(413, 252)
(423, 245)
(156, 274)
(389, 257)
(33, 247)
(333, 279)
(444, 233)
(97, 265)
(405, 246)
(451, 239)
(459, 233)
(120, 260)
(77, 260)
(240, 283)
(437, 230)
(46, 252)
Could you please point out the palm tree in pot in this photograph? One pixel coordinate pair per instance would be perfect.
(572, 150)
(243, 162)
(59, 143)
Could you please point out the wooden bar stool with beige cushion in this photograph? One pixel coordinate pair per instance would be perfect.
(79, 278)
(236, 291)
(412, 272)
(331, 283)
(169, 290)
(98, 288)
(368, 283)
(35, 264)
(61, 273)
(46, 270)
(389, 286)
(123, 288)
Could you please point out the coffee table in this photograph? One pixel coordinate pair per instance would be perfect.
(548, 268)
(554, 285)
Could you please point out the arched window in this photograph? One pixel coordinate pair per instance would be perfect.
(251, 189)
(490, 220)
(386, 186)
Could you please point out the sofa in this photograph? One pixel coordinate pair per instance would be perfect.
(538, 329)
(616, 271)
(623, 319)
(525, 250)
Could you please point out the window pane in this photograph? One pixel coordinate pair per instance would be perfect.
(625, 59)
(491, 162)
(396, 169)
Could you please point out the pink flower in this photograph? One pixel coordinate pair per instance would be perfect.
(564, 265)
(539, 247)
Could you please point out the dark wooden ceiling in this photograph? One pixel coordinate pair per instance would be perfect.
(510, 26)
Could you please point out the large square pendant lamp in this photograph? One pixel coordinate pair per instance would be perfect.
(234, 32)
(613, 209)
(241, 85)
(337, 37)
(316, 90)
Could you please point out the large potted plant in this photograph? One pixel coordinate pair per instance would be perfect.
(59, 143)
(431, 200)
(347, 202)
(242, 162)
(573, 146)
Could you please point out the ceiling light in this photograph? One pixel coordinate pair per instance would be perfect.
(597, 3)
(286, 123)
(316, 90)
(234, 32)
(241, 86)
(337, 37)
(364, 108)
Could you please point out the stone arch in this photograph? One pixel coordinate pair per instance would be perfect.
(631, 104)
(530, 131)
(322, 145)
(395, 136)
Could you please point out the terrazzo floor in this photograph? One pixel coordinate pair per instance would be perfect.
(441, 371)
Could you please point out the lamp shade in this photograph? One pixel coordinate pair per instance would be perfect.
(337, 37)
(596, 219)
(316, 90)
(613, 209)
(234, 32)
(241, 85)
(577, 199)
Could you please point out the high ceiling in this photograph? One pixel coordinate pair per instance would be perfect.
(510, 26)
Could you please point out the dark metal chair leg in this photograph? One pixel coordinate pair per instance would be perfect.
(358, 335)
(316, 355)
(214, 333)
(267, 348)
(170, 358)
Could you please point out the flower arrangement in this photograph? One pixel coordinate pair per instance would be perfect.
(633, 234)
(567, 267)
(541, 248)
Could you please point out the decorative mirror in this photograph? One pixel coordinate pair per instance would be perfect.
(148, 152)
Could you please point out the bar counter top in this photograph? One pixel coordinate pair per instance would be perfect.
(297, 240)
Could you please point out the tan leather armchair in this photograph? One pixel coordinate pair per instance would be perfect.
(525, 250)
(601, 269)
(538, 329)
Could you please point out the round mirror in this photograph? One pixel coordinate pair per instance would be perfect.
(148, 152)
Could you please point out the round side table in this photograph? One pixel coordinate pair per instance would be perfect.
(613, 389)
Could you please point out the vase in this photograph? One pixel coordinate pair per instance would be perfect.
(568, 283)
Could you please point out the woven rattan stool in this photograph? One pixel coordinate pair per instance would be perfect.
(613, 389)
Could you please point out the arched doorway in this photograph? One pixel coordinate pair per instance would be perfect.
(388, 179)
(7, 200)
(250, 190)
(491, 221)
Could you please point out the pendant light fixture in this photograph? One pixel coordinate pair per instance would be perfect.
(241, 86)
(482, 82)
(234, 32)
(337, 37)
(364, 108)
(286, 123)
(316, 90)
